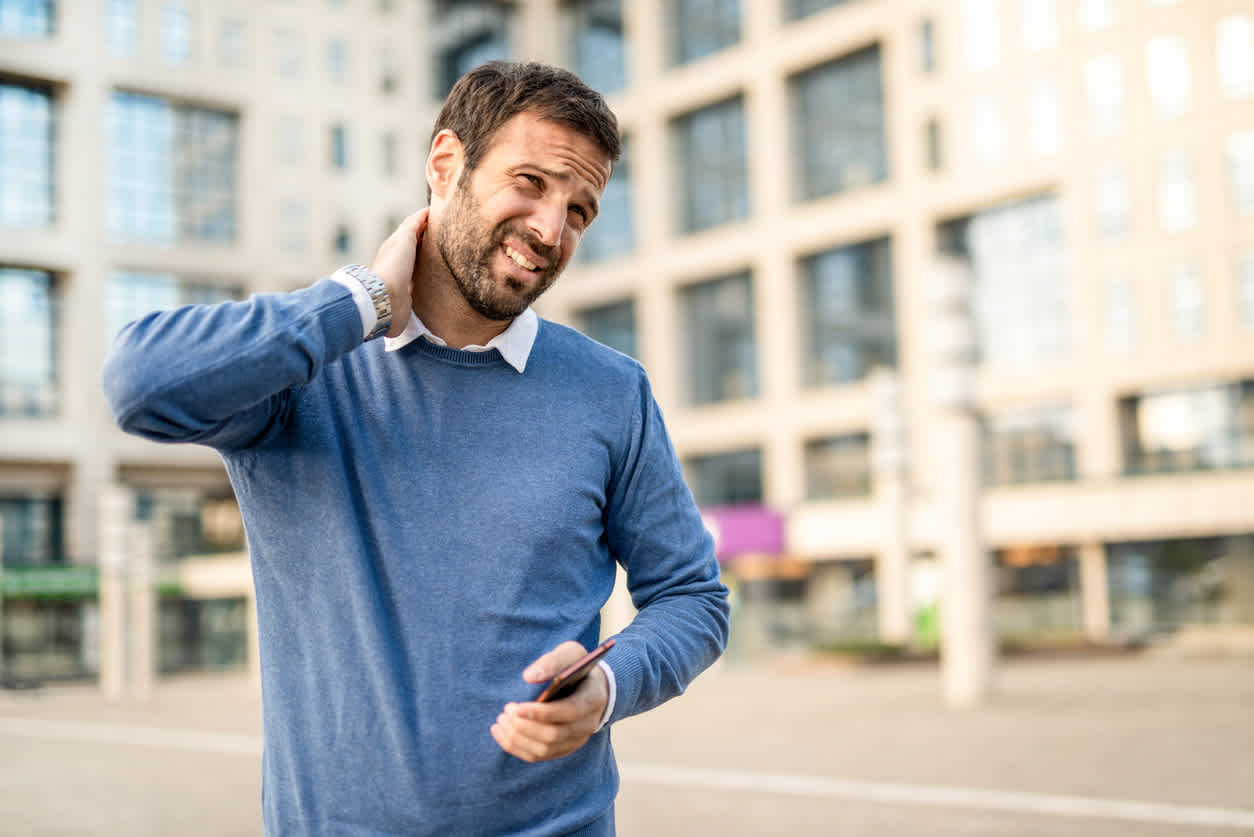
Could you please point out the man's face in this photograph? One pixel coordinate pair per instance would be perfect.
(511, 225)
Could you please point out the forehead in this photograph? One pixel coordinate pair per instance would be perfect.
(527, 139)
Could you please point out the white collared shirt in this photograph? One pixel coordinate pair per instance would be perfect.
(514, 344)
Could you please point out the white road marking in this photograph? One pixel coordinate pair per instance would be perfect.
(1018, 802)
(819, 787)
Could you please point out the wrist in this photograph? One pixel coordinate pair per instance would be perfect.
(377, 293)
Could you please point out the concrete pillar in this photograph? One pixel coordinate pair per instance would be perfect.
(114, 506)
(1095, 591)
(967, 642)
(142, 611)
(889, 470)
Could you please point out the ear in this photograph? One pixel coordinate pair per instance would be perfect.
(444, 163)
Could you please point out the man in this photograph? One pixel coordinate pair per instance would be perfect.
(434, 519)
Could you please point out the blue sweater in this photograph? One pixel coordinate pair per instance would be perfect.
(422, 525)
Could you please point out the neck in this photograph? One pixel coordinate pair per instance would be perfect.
(441, 306)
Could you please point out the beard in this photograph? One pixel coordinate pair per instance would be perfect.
(468, 248)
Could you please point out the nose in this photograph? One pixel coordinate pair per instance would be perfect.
(547, 220)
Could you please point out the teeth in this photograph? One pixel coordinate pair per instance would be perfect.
(518, 258)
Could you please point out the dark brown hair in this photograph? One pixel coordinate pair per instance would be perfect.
(490, 95)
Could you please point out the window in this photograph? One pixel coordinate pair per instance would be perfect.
(32, 531)
(294, 226)
(935, 149)
(121, 27)
(1020, 285)
(988, 130)
(838, 108)
(981, 34)
(172, 171)
(1189, 429)
(1234, 56)
(1185, 303)
(612, 232)
(391, 157)
(27, 162)
(702, 27)
(467, 35)
(847, 313)
(838, 466)
(599, 50)
(291, 139)
(927, 46)
(1038, 24)
(713, 165)
(1113, 203)
(339, 147)
(1103, 88)
(1037, 592)
(1241, 171)
(176, 33)
(724, 479)
(613, 325)
(798, 9)
(1095, 15)
(1177, 198)
(28, 344)
(722, 349)
(337, 60)
(289, 52)
(233, 43)
(1028, 446)
(132, 294)
(1119, 313)
(1044, 117)
(389, 72)
(189, 521)
(1167, 69)
(26, 18)
(1158, 585)
(1245, 289)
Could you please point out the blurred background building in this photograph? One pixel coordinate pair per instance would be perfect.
(792, 169)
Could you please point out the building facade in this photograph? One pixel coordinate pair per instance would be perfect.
(792, 169)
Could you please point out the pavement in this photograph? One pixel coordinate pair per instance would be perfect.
(1134, 745)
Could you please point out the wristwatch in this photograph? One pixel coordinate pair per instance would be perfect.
(378, 295)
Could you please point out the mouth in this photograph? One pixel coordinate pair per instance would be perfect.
(521, 260)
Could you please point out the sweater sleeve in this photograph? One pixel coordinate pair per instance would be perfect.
(222, 375)
(655, 530)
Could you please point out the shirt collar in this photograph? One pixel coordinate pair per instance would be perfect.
(514, 343)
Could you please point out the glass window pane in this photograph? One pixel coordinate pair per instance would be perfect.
(289, 51)
(721, 343)
(847, 312)
(981, 34)
(988, 130)
(28, 343)
(838, 111)
(1241, 171)
(233, 43)
(713, 165)
(1167, 70)
(1188, 429)
(598, 46)
(176, 33)
(121, 27)
(1095, 15)
(1177, 193)
(1020, 287)
(1043, 102)
(1119, 313)
(1245, 289)
(798, 9)
(1028, 446)
(1104, 91)
(26, 18)
(726, 478)
(1038, 24)
(612, 325)
(838, 466)
(27, 156)
(1234, 56)
(1112, 201)
(702, 27)
(337, 60)
(1185, 303)
(32, 531)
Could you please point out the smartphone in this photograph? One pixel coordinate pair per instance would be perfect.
(570, 677)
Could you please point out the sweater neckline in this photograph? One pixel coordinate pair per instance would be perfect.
(457, 357)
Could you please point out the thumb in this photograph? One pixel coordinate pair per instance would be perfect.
(548, 665)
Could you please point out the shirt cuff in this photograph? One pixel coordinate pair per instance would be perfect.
(361, 296)
(609, 704)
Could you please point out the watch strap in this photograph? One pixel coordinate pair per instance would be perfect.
(379, 296)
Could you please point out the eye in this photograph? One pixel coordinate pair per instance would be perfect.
(534, 180)
(580, 211)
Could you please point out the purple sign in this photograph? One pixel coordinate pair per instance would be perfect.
(742, 530)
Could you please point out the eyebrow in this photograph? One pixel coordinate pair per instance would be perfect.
(591, 199)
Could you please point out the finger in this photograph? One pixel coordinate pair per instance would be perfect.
(534, 741)
(563, 711)
(548, 665)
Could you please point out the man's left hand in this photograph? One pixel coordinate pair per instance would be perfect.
(543, 731)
